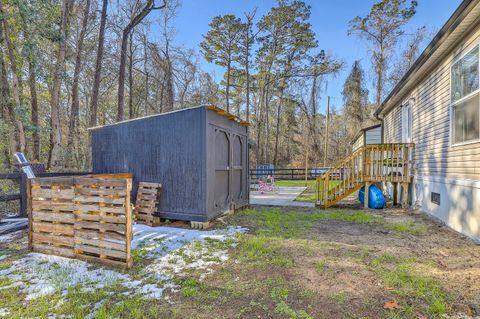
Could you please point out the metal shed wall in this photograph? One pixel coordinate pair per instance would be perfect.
(178, 150)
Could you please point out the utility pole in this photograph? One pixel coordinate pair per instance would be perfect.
(326, 133)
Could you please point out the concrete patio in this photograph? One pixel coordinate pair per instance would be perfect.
(283, 196)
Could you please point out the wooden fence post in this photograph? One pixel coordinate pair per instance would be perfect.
(23, 194)
(29, 214)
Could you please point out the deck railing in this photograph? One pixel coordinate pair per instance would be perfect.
(366, 165)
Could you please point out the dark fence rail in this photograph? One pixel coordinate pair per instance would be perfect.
(288, 173)
(21, 180)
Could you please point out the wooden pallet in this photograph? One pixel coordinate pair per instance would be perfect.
(147, 200)
(103, 225)
(82, 217)
(52, 216)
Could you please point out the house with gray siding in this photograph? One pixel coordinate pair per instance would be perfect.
(436, 106)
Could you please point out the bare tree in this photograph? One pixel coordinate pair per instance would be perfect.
(149, 6)
(98, 65)
(56, 129)
(74, 114)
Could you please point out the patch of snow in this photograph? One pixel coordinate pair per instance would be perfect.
(4, 312)
(2, 257)
(170, 251)
(11, 236)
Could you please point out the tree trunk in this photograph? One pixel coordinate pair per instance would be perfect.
(56, 129)
(98, 66)
(227, 89)
(16, 80)
(149, 6)
(74, 114)
(168, 85)
(7, 110)
(130, 77)
(32, 79)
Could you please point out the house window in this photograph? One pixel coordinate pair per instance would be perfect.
(465, 98)
(407, 122)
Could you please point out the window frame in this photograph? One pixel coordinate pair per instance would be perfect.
(463, 99)
(407, 112)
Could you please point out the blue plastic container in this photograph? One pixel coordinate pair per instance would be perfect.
(376, 200)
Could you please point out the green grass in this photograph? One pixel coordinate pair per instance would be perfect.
(409, 228)
(402, 275)
(295, 183)
(292, 224)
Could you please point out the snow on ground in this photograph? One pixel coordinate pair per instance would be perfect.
(4, 312)
(173, 250)
(11, 236)
(170, 251)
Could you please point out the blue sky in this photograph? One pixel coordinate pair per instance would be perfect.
(329, 21)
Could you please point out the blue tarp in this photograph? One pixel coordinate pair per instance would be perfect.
(376, 200)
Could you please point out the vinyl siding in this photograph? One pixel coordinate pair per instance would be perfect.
(358, 143)
(393, 126)
(373, 136)
(434, 156)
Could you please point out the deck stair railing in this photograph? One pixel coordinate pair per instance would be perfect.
(369, 164)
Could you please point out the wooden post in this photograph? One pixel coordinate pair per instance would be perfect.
(29, 214)
(129, 223)
(306, 168)
(23, 194)
(405, 195)
(395, 193)
(365, 202)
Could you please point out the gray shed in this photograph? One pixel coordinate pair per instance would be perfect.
(199, 155)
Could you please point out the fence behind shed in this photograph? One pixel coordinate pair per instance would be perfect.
(84, 217)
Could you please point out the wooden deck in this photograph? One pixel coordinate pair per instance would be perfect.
(367, 165)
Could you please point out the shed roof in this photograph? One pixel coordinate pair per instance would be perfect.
(460, 22)
(212, 108)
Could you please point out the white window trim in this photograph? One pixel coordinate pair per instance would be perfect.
(407, 104)
(463, 99)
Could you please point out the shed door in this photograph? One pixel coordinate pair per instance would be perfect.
(222, 170)
(238, 167)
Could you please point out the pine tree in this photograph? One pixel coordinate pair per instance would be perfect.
(355, 97)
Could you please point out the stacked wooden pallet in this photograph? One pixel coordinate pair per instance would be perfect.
(147, 199)
(85, 217)
(103, 230)
(52, 216)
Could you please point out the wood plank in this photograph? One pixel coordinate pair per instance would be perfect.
(64, 229)
(103, 218)
(38, 205)
(109, 262)
(53, 217)
(54, 250)
(95, 234)
(96, 208)
(100, 244)
(48, 193)
(100, 182)
(49, 181)
(99, 251)
(119, 228)
(53, 239)
(97, 199)
(100, 191)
